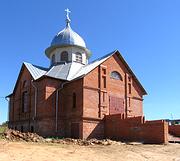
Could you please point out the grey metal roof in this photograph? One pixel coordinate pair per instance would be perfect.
(35, 71)
(68, 37)
(68, 71)
(64, 71)
(72, 71)
(59, 71)
(89, 67)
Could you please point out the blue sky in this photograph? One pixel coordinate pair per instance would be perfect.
(146, 32)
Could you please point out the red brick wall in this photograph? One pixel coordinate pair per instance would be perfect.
(136, 107)
(67, 113)
(46, 100)
(93, 90)
(174, 130)
(43, 123)
(93, 129)
(120, 89)
(136, 129)
(91, 94)
(45, 126)
(66, 99)
(17, 97)
(91, 105)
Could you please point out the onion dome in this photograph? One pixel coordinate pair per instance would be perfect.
(67, 37)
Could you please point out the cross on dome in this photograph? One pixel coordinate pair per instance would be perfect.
(67, 13)
(67, 17)
(68, 38)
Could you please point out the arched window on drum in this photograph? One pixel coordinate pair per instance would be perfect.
(64, 56)
(78, 57)
(53, 59)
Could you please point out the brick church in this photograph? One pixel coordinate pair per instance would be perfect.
(71, 97)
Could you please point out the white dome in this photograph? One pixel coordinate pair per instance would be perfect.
(68, 37)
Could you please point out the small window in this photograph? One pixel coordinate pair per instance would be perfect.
(129, 88)
(129, 78)
(116, 75)
(24, 101)
(24, 84)
(15, 128)
(104, 96)
(104, 81)
(74, 100)
(64, 56)
(104, 71)
(53, 59)
(78, 57)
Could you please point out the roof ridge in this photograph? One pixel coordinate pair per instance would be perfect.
(59, 70)
(49, 70)
(37, 66)
(98, 59)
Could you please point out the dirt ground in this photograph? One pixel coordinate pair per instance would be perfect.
(23, 151)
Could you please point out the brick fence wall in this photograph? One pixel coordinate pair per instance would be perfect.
(136, 129)
(174, 130)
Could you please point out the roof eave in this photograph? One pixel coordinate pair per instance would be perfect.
(51, 48)
(129, 69)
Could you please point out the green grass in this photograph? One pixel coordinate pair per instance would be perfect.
(2, 129)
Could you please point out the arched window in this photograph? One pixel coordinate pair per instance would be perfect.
(53, 59)
(24, 84)
(74, 100)
(78, 57)
(116, 75)
(64, 56)
(24, 101)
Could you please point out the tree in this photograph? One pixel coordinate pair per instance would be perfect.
(4, 124)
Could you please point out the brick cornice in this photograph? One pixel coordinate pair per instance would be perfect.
(91, 88)
(136, 98)
(95, 89)
(92, 118)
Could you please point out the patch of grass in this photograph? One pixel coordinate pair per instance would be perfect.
(1, 136)
(2, 129)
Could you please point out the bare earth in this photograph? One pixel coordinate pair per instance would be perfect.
(22, 151)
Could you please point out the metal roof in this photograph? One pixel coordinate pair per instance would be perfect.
(68, 37)
(35, 71)
(73, 70)
(59, 71)
(64, 71)
(67, 71)
(89, 67)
